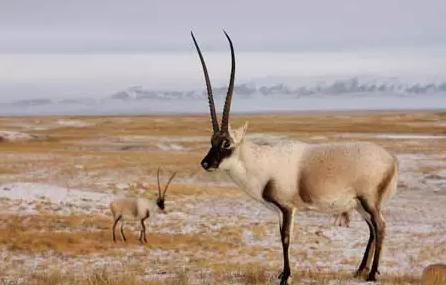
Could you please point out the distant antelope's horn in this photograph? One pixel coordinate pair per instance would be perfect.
(215, 126)
(168, 182)
(227, 107)
(158, 179)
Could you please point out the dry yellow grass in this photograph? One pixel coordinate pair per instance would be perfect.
(252, 276)
(85, 235)
(45, 232)
(105, 153)
(99, 277)
(102, 149)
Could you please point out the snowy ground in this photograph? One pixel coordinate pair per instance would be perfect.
(210, 225)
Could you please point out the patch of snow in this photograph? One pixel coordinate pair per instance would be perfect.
(38, 192)
(171, 139)
(441, 123)
(171, 147)
(13, 136)
(393, 136)
(410, 136)
(73, 123)
(410, 176)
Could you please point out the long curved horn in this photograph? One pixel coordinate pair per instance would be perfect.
(168, 182)
(215, 126)
(227, 108)
(159, 186)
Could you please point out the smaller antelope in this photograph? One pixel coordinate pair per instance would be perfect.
(434, 274)
(138, 209)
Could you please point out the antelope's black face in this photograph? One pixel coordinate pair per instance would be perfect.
(220, 149)
(160, 203)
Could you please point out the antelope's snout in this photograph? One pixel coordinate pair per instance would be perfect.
(205, 164)
(160, 204)
(209, 162)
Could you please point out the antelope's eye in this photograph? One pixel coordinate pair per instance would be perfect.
(226, 144)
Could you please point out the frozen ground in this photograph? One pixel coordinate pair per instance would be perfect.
(210, 225)
(13, 136)
(29, 197)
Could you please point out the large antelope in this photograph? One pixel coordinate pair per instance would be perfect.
(334, 178)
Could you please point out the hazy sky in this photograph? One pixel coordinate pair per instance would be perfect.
(93, 48)
(129, 26)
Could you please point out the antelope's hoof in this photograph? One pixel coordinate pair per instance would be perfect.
(285, 278)
(360, 272)
(371, 277)
(285, 281)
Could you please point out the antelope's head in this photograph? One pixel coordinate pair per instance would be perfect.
(224, 140)
(162, 194)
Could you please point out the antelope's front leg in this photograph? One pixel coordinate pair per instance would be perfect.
(285, 233)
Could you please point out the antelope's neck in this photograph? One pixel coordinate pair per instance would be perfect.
(248, 168)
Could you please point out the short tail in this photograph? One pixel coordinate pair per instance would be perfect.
(388, 186)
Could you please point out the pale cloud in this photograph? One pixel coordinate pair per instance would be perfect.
(129, 26)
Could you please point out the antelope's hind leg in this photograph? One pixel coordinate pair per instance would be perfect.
(370, 248)
(142, 236)
(377, 226)
(380, 228)
(114, 228)
(122, 232)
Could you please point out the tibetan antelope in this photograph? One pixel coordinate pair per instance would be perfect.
(138, 209)
(286, 177)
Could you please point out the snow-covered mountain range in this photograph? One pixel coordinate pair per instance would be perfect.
(339, 94)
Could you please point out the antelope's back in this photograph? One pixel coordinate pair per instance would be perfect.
(127, 207)
(345, 168)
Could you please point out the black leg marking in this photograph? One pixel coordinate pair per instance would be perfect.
(143, 231)
(287, 219)
(114, 227)
(122, 232)
(367, 252)
(140, 236)
(286, 222)
(379, 227)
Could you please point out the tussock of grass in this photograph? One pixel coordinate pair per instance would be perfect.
(434, 274)
(89, 234)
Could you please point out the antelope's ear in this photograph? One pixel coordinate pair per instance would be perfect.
(238, 135)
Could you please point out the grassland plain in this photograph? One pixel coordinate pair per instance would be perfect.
(58, 174)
